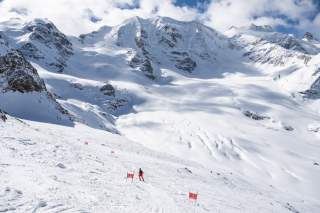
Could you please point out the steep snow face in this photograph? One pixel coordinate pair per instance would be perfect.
(39, 41)
(290, 61)
(46, 42)
(164, 43)
(267, 46)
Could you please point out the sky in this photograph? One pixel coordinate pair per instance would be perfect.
(76, 17)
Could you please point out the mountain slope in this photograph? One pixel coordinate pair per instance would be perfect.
(51, 169)
(234, 117)
(24, 94)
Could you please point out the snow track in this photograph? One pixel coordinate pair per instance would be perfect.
(51, 169)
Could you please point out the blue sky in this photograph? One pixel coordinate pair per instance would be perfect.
(192, 3)
(195, 3)
(199, 4)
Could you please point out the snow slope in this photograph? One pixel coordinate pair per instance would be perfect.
(49, 168)
(234, 117)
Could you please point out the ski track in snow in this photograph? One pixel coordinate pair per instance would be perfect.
(92, 179)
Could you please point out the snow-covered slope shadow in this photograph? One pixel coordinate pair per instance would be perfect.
(24, 94)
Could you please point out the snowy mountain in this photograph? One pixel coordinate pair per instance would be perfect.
(159, 43)
(21, 86)
(233, 116)
(295, 62)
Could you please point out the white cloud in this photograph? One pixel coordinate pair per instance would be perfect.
(74, 16)
(312, 26)
(222, 14)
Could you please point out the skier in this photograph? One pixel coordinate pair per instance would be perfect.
(141, 174)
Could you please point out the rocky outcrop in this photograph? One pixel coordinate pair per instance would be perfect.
(183, 61)
(186, 64)
(47, 34)
(142, 64)
(3, 116)
(290, 43)
(19, 74)
(115, 104)
(43, 34)
(170, 36)
(29, 50)
(159, 43)
(108, 90)
(314, 91)
(263, 28)
(255, 116)
(269, 47)
(308, 36)
(3, 39)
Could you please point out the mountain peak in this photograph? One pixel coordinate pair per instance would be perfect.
(262, 28)
(309, 36)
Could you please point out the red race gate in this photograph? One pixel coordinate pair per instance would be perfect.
(130, 175)
(193, 196)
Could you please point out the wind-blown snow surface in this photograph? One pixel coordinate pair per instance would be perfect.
(198, 111)
(48, 168)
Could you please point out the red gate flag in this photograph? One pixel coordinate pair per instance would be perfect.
(193, 196)
(130, 175)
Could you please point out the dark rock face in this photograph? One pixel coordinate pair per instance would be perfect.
(157, 39)
(115, 104)
(48, 35)
(255, 116)
(31, 51)
(61, 166)
(140, 38)
(264, 28)
(291, 43)
(3, 39)
(140, 60)
(20, 75)
(186, 64)
(77, 86)
(143, 64)
(308, 36)
(288, 128)
(108, 89)
(314, 91)
(275, 48)
(183, 61)
(3, 116)
(171, 36)
(267, 56)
